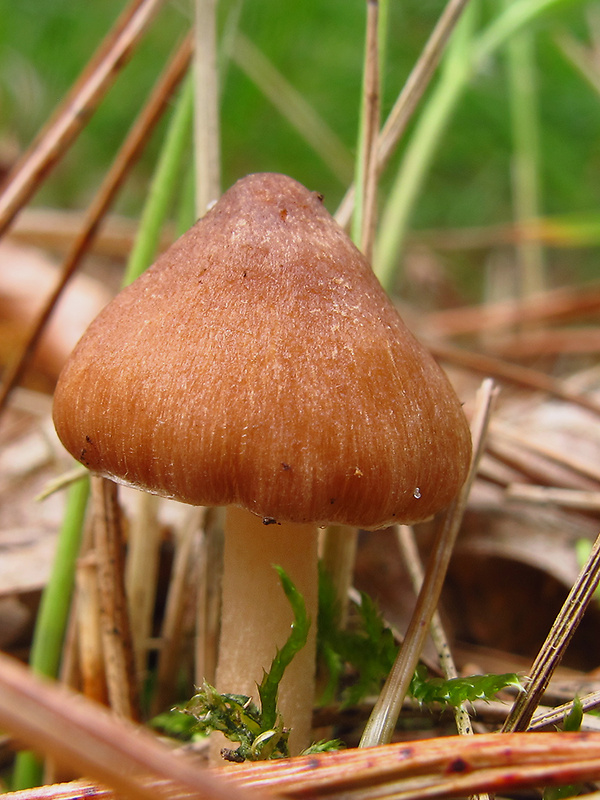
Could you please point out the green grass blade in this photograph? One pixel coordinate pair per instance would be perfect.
(515, 17)
(293, 106)
(421, 149)
(523, 96)
(465, 53)
(165, 183)
(53, 615)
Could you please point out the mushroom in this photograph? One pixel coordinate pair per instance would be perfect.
(258, 364)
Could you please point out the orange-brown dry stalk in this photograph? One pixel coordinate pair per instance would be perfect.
(436, 768)
(130, 151)
(382, 721)
(55, 229)
(89, 639)
(91, 741)
(183, 584)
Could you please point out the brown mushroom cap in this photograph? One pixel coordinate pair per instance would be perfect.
(259, 362)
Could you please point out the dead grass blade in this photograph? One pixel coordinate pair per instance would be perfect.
(74, 112)
(555, 645)
(407, 542)
(550, 718)
(207, 130)
(369, 128)
(55, 229)
(566, 498)
(560, 341)
(87, 739)
(435, 768)
(117, 638)
(381, 723)
(537, 466)
(409, 97)
(501, 432)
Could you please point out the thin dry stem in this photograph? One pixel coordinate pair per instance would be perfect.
(550, 718)
(183, 584)
(339, 542)
(55, 230)
(93, 742)
(292, 106)
(89, 638)
(533, 344)
(114, 619)
(370, 127)
(74, 112)
(501, 431)
(409, 97)
(418, 81)
(408, 547)
(556, 305)
(381, 724)
(141, 574)
(130, 151)
(555, 645)
(536, 466)
(207, 149)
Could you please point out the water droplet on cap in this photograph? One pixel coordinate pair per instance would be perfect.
(417, 493)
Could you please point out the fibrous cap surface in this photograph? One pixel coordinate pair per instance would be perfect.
(258, 362)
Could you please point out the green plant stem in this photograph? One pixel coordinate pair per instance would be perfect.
(164, 184)
(53, 614)
(186, 208)
(465, 55)
(515, 17)
(421, 149)
(292, 106)
(521, 77)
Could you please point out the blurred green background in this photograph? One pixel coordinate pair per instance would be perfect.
(318, 48)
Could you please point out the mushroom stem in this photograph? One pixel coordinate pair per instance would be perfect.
(257, 617)
(338, 554)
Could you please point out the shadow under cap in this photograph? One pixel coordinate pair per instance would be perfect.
(259, 363)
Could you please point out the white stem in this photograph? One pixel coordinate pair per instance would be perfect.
(338, 557)
(256, 616)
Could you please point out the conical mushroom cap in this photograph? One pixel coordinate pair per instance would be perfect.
(259, 362)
